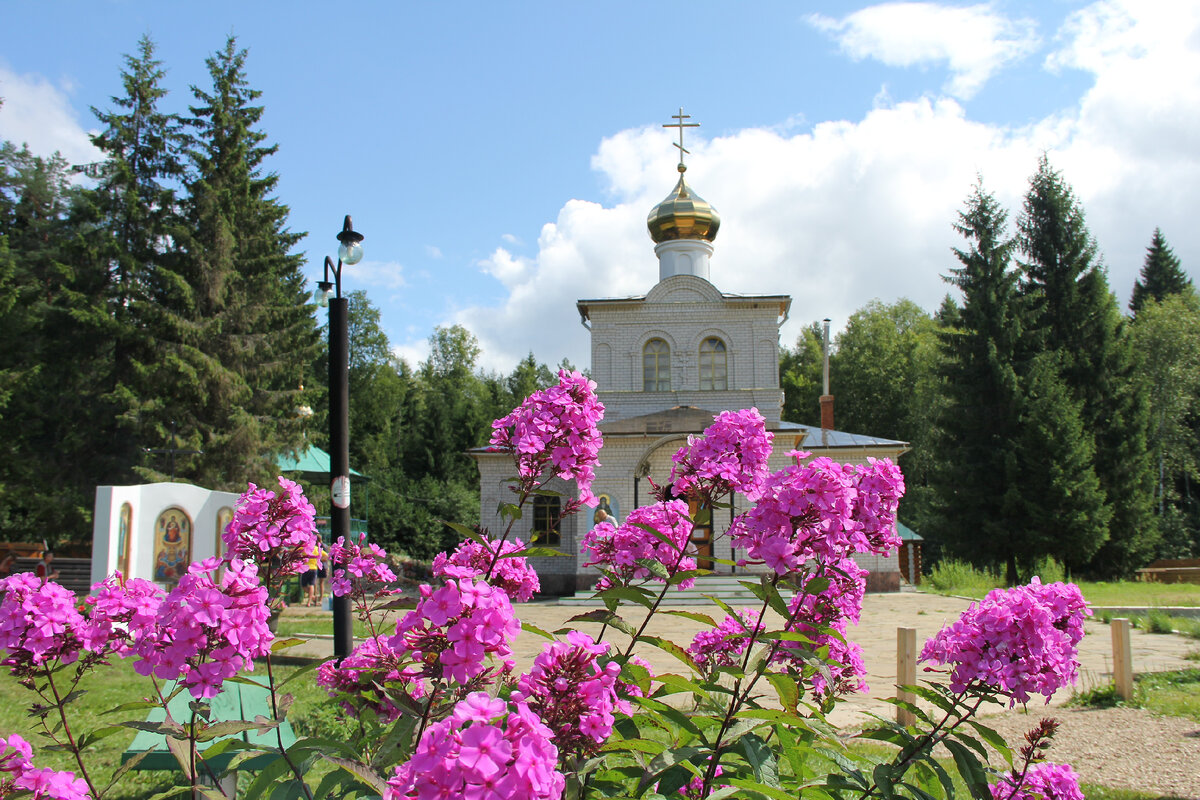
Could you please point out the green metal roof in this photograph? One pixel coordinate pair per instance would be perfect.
(907, 534)
(314, 459)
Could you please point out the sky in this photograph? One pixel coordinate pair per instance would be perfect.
(501, 157)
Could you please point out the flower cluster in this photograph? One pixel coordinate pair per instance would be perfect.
(824, 616)
(485, 749)
(455, 628)
(573, 694)
(359, 676)
(1043, 781)
(120, 608)
(17, 773)
(279, 530)
(39, 623)
(694, 789)
(512, 575)
(821, 510)
(358, 565)
(723, 645)
(206, 631)
(1022, 641)
(557, 428)
(618, 549)
(731, 457)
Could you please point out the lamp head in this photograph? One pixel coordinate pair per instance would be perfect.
(323, 292)
(350, 250)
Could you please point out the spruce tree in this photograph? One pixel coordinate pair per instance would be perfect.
(1162, 275)
(247, 333)
(1075, 316)
(136, 221)
(980, 417)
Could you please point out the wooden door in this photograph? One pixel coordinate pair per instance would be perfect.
(701, 537)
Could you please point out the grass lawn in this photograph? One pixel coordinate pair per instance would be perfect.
(108, 688)
(962, 580)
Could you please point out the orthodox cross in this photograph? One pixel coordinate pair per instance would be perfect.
(173, 450)
(681, 125)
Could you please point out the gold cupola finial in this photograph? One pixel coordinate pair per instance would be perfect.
(683, 214)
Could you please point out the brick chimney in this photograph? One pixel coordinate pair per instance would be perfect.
(826, 412)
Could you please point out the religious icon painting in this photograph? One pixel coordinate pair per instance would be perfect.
(224, 517)
(124, 527)
(172, 545)
(607, 510)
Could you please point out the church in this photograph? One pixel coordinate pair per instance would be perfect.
(664, 364)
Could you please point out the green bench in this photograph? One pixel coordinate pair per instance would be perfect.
(239, 701)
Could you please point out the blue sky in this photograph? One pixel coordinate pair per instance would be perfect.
(500, 158)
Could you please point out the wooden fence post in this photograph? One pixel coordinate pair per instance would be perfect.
(1122, 659)
(906, 672)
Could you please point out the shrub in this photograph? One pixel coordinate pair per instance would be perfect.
(951, 576)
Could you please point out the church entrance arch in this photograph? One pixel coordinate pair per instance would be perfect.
(702, 534)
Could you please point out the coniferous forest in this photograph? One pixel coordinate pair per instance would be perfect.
(161, 305)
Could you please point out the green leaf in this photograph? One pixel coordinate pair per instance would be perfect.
(761, 788)
(673, 714)
(535, 552)
(883, 780)
(633, 745)
(673, 649)
(678, 683)
(702, 517)
(762, 760)
(994, 739)
(630, 593)
(266, 776)
(302, 670)
(654, 567)
(683, 575)
(971, 770)
(91, 737)
(509, 511)
(692, 615)
(470, 533)
(360, 771)
(787, 689)
(125, 767)
(534, 629)
(284, 644)
(230, 727)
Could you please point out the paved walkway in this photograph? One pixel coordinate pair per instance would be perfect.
(882, 615)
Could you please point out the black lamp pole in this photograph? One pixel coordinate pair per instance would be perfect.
(350, 252)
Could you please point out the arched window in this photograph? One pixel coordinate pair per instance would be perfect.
(546, 513)
(656, 366)
(714, 369)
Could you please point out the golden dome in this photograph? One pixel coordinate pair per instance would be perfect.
(683, 215)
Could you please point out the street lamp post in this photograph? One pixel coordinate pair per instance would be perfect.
(350, 252)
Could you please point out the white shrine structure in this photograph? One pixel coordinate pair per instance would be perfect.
(665, 363)
(155, 530)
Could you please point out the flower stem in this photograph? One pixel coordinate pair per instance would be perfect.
(279, 734)
(74, 747)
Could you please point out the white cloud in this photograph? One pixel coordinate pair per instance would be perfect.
(38, 113)
(381, 274)
(974, 42)
(509, 238)
(855, 210)
(433, 251)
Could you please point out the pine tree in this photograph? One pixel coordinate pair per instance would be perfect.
(247, 334)
(980, 418)
(1162, 275)
(1077, 317)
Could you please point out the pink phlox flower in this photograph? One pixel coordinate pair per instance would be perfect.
(556, 428)
(276, 529)
(1044, 781)
(619, 548)
(513, 576)
(501, 757)
(573, 692)
(1021, 641)
(725, 644)
(16, 759)
(39, 623)
(731, 456)
(359, 566)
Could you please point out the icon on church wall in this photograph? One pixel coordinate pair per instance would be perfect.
(224, 517)
(606, 510)
(124, 526)
(172, 545)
